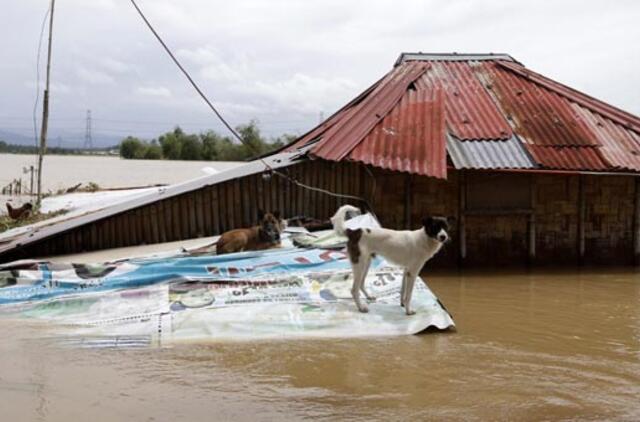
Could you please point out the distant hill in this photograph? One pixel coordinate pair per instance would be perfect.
(60, 138)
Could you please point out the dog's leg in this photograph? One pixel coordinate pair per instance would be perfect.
(411, 280)
(403, 288)
(364, 278)
(360, 270)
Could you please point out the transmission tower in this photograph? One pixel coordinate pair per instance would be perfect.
(88, 141)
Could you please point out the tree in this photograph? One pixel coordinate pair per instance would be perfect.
(153, 151)
(191, 147)
(132, 147)
(177, 145)
(171, 145)
(253, 143)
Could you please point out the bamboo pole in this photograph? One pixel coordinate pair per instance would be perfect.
(636, 223)
(582, 212)
(462, 206)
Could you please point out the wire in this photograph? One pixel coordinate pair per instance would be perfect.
(186, 74)
(217, 113)
(35, 105)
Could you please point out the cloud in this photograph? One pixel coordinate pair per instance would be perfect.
(285, 61)
(93, 76)
(154, 91)
(115, 66)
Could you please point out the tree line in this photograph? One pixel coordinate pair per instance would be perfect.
(208, 146)
(8, 148)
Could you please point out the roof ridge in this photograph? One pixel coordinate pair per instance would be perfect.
(420, 56)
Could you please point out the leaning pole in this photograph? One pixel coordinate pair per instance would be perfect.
(45, 108)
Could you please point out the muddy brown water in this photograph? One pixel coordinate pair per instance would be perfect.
(553, 345)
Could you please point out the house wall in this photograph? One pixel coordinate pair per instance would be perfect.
(497, 239)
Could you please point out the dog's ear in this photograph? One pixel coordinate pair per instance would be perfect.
(276, 214)
(451, 221)
(427, 221)
(260, 214)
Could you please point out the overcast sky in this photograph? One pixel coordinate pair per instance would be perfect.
(284, 62)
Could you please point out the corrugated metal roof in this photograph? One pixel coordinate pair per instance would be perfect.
(620, 146)
(568, 158)
(617, 115)
(481, 154)
(470, 111)
(359, 120)
(490, 98)
(540, 115)
(413, 130)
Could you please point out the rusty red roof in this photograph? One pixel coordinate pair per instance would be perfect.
(414, 129)
(403, 121)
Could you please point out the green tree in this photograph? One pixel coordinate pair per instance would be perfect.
(153, 151)
(132, 147)
(177, 145)
(191, 147)
(171, 145)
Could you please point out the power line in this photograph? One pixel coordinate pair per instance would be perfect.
(186, 74)
(35, 105)
(211, 106)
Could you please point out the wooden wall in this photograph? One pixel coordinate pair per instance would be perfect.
(553, 231)
(211, 210)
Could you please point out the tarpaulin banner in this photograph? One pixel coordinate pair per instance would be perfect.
(280, 293)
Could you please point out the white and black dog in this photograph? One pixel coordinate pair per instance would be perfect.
(410, 249)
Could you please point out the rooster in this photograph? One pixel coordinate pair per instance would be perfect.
(21, 212)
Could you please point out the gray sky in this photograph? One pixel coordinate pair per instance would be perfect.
(283, 62)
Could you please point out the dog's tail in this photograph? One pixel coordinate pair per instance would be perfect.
(338, 219)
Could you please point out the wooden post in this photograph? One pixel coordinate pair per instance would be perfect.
(582, 212)
(636, 223)
(462, 205)
(407, 201)
(31, 186)
(532, 222)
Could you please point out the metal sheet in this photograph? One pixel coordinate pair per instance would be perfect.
(620, 146)
(540, 115)
(481, 154)
(569, 158)
(617, 115)
(470, 111)
(358, 121)
(410, 138)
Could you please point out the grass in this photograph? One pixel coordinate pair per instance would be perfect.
(6, 223)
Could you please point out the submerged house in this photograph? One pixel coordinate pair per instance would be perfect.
(530, 170)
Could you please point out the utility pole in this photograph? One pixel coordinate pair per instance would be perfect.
(88, 141)
(45, 108)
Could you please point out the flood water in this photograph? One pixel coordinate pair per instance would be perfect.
(64, 171)
(554, 345)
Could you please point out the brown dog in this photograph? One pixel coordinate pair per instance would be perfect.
(263, 236)
(21, 212)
